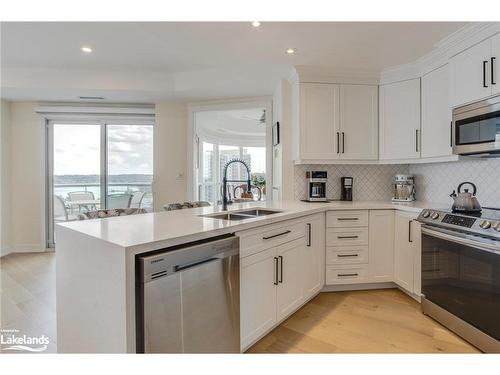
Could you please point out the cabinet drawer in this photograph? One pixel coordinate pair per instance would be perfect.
(346, 236)
(258, 239)
(347, 255)
(351, 218)
(349, 274)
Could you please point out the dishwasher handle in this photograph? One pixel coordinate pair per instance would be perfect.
(191, 265)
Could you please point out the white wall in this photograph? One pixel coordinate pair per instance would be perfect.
(170, 154)
(4, 177)
(27, 178)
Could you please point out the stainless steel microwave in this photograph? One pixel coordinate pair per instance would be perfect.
(476, 129)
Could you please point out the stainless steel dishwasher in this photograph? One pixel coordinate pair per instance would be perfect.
(188, 298)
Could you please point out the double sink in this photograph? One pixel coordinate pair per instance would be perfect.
(243, 214)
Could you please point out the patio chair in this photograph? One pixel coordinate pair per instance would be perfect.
(61, 211)
(112, 212)
(119, 200)
(81, 196)
(137, 198)
(180, 206)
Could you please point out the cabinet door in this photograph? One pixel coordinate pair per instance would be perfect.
(258, 295)
(417, 256)
(470, 76)
(313, 256)
(400, 120)
(289, 291)
(436, 113)
(495, 63)
(319, 121)
(381, 246)
(403, 253)
(359, 122)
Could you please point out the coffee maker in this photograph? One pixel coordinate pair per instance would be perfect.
(404, 188)
(316, 186)
(346, 188)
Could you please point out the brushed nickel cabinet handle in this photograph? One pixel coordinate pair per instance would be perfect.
(308, 234)
(343, 237)
(346, 274)
(347, 218)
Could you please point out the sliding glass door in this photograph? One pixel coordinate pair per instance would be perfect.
(97, 165)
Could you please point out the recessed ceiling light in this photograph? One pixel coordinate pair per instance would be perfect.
(86, 49)
(290, 51)
(256, 23)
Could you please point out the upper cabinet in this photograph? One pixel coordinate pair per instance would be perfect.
(359, 122)
(336, 122)
(318, 121)
(400, 120)
(436, 113)
(495, 57)
(475, 72)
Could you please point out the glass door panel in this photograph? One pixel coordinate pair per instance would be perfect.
(129, 166)
(76, 176)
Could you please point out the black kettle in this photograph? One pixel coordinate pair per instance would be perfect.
(465, 201)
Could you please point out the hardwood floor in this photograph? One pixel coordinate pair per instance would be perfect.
(28, 295)
(375, 321)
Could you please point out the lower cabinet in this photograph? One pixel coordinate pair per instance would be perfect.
(407, 252)
(276, 281)
(381, 246)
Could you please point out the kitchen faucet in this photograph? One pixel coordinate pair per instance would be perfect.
(225, 180)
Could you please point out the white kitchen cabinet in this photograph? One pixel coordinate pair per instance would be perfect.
(436, 113)
(318, 121)
(381, 246)
(258, 295)
(495, 55)
(358, 122)
(289, 292)
(336, 122)
(471, 72)
(313, 256)
(407, 252)
(399, 121)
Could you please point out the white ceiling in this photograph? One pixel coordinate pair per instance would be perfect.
(148, 62)
(234, 122)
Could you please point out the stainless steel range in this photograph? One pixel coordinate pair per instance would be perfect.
(461, 273)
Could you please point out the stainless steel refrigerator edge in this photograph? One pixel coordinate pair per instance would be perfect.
(188, 298)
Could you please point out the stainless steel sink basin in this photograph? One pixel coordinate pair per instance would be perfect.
(258, 212)
(243, 214)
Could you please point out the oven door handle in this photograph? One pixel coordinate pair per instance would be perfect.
(461, 240)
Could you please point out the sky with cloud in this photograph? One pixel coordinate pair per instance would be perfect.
(77, 149)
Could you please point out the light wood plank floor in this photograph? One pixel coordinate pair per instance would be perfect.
(376, 321)
(373, 321)
(28, 295)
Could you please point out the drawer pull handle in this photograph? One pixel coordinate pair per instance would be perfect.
(347, 274)
(347, 255)
(347, 218)
(344, 237)
(277, 235)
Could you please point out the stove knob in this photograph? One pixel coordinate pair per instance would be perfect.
(485, 224)
(496, 227)
(434, 215)
(426, 214)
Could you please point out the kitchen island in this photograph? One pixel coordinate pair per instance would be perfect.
(95, 267)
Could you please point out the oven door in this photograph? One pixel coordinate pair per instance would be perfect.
(476, 128)
(461, 274)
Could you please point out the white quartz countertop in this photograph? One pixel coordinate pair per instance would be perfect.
(159, 229)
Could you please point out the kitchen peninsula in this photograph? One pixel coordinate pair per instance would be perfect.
(96, 261)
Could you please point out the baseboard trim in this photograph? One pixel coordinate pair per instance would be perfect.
(28, 248)
(364, 286)
(6, 250)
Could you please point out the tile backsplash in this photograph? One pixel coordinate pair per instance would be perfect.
(434, 182)
(371, 182)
